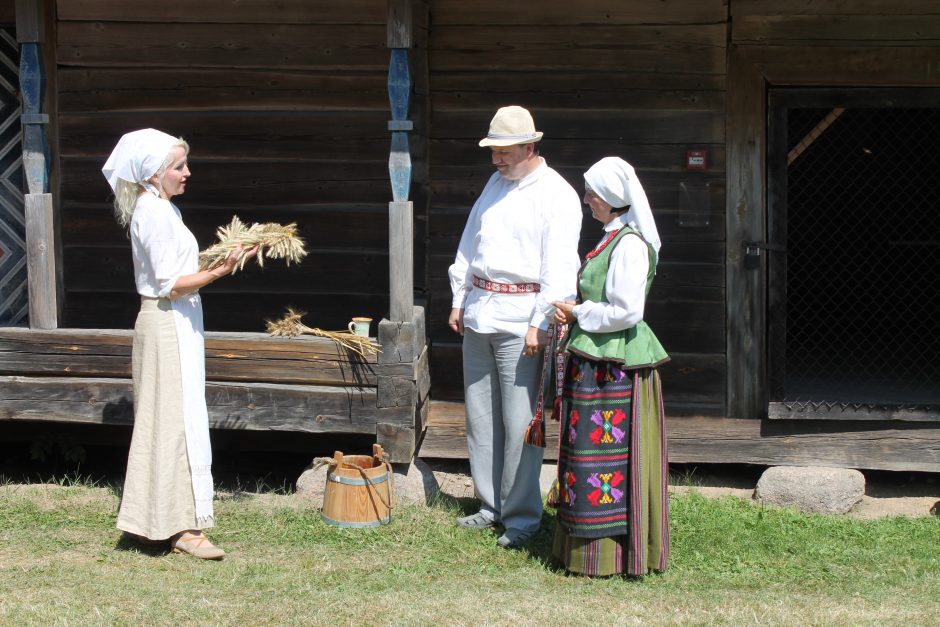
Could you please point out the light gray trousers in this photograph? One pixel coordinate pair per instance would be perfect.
(501, 389)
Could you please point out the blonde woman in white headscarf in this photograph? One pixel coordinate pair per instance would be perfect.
(610, 497)
(168, 487)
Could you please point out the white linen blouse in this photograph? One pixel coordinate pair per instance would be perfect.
(523, 231)
(162, 247)
(625, 285)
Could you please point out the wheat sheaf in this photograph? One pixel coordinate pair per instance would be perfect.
(274, 241)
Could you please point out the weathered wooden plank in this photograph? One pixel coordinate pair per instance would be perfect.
(446, 433)
(395, 392)
(248, 406)
(226, 11)
(236, 135)
(397, 440)
(834, 30)
(229, 357)
(447, 12)
(355, 271)
(479, 90)
(872, 66)
(243, 183)
(8, 11)
(400, 24)
(628, 126)
(232, 311)
(692, 49)
(823, 411)
(628, 57)
(323, 226)
(745, 222)
(30, 20)
(41, 261)
(214, 90)
(398, 342)
(401, 261)
(866, 445)
(693, 380)
(741, 8)
(300, 46)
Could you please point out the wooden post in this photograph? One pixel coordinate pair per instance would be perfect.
(40, 223)
(40, 261)
(746, 323)
(400, 210)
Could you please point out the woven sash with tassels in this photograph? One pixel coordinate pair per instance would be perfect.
(553, 366)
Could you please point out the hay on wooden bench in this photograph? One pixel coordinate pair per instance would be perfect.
(291, 326)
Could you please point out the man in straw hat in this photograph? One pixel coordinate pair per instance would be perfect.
(517, 255)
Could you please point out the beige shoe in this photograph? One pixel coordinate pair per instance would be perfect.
(197, 545)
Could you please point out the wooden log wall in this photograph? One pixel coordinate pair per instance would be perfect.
(285, 106)
(644, 80)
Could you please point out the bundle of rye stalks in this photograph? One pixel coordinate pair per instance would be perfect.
(274, 241)
(291, 326)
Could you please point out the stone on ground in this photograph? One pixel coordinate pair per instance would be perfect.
(311, 485)
(414, 483)
(811, 489)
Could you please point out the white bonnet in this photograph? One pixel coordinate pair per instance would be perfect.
(137, 156)
(615, 181)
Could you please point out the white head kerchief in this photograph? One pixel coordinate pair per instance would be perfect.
(137, 156)
(615, 181)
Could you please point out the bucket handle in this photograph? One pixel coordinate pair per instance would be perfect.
(379, 454)
(391, 489)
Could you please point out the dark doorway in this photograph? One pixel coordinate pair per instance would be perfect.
(854, 285)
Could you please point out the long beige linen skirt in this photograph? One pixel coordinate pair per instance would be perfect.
(158, 499)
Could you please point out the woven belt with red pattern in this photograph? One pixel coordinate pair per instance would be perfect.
(506, 288)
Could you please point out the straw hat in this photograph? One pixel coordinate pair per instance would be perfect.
(510, 126)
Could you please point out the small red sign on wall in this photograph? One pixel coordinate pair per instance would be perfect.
(696, 159)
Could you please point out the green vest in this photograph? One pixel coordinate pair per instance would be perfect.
(636, 347)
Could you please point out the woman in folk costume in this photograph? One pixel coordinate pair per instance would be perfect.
(168, 487)
(611, 500)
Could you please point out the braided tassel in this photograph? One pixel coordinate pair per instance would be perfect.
(535, 432)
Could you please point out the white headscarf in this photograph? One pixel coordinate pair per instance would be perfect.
(137, 156)
(615, 181)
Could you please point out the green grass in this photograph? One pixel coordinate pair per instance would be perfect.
(62, 562)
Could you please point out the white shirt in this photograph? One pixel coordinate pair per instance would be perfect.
(523, 231)
(625, 286)
(162, 247)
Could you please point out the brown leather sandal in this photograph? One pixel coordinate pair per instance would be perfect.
(196, 545)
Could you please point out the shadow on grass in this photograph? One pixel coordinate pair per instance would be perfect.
(149, 548)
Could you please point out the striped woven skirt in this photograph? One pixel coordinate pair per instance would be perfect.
(611, 495)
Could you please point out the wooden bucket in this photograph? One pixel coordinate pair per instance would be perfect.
(358, 490)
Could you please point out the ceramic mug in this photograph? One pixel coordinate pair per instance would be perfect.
(360, 326)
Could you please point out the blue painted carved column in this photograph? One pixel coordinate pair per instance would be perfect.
(35, 146)
(400, 210)
(40, 222)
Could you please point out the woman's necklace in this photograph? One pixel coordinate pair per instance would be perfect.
(600, 247)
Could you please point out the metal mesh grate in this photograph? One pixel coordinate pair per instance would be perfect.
(863, 260)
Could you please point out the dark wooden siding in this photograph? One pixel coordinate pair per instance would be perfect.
(285, 106)
(644, 80)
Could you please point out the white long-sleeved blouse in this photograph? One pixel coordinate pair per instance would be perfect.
(162, 247)
(523, 231)
(625, 286)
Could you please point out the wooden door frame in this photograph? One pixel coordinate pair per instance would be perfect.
(751, 70)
